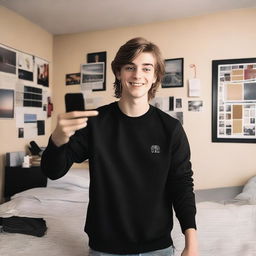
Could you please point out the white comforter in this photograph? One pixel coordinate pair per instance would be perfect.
(63, 205)
(65, 235)
(223, 229)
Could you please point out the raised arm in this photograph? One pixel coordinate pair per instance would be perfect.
(67, 144)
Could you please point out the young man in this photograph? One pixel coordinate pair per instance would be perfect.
(139, 160)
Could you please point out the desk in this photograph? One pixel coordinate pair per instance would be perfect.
(18, 179)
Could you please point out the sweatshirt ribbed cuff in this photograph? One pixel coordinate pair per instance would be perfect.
(187, 222)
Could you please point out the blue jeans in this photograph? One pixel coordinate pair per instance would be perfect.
(163, 252)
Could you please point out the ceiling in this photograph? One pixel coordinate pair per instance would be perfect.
(73, 16)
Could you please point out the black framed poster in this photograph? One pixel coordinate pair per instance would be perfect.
(234, 100)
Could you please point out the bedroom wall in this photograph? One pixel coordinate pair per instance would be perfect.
(20, 34)
(199, 40)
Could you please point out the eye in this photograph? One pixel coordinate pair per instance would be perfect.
(147, 69)
(129, 68)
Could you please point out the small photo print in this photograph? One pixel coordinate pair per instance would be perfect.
(96, 57)
(7, 61)
(221, 124)
(221, 117)
(72, 79)
(30, 118)
(26, 66)
(250, 72)
(42, 72)
(20, 132)
(228, 131)
(228, 108)
(250, 91)
(228, 116)
(221, 108)
(225, 68)
(195, 105)
(249, 130)
(92, 74)
(40, 127)
(227, 77)
(32, 97)
(171, 103)
(162, 103)
(221, 131)
(178, 103)
(6, 103)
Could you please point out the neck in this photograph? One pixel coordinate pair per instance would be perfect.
(133, 108)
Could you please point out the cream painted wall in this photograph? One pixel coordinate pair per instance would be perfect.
(199, 40)
(22, 35)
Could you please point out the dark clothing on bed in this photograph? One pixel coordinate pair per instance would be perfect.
(24, 225)
(139, 168)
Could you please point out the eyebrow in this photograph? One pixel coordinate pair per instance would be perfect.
(143, 64)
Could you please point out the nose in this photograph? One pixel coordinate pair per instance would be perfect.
(137, 73)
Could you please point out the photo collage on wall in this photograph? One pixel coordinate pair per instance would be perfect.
(171, 105)
(236, 110)
(24, 91)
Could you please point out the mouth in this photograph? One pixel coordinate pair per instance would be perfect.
(136, 84)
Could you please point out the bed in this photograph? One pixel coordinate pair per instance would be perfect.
(226, 223)
(62, 204)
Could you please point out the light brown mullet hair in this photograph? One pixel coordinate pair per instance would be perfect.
(128, 52)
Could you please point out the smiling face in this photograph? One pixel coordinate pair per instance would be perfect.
(137, 77)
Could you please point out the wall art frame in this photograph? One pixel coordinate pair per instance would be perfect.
(234, 100)
(173, 76)
(97, 57)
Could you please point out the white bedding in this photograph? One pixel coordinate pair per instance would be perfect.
(64, 210)
(223, 229)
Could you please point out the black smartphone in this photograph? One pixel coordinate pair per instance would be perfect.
(74, 102)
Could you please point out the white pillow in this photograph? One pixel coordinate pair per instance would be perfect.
(32, 207)
(56, 194)
(74, 179)
(249, 192)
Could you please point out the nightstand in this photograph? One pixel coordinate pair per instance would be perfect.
(18, 179)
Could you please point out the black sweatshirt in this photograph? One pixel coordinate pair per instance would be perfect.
(139, 168)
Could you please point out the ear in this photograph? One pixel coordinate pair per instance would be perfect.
(118, 75)
(155, 78)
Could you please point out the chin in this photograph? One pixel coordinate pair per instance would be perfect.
(139, 96)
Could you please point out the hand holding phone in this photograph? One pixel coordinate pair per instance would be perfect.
(74, 119)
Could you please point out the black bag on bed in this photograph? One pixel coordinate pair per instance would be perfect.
(24, 225)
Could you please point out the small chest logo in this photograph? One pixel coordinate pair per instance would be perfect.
(155, 149)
